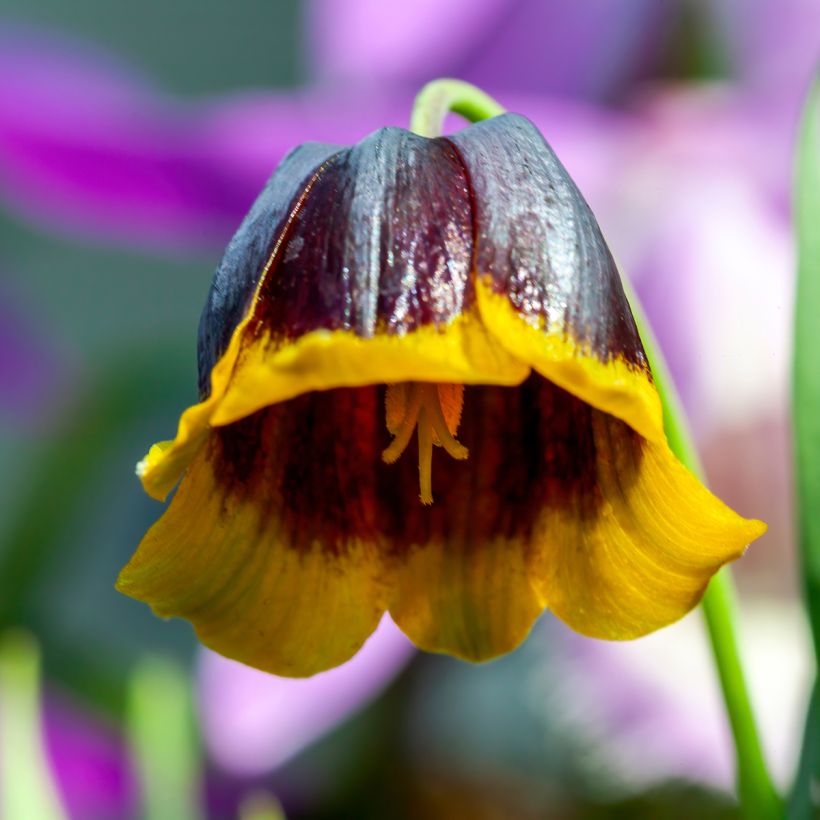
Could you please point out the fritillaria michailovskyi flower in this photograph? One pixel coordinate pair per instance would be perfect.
(457, 289)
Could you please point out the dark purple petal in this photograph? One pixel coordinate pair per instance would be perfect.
(238, 274)
(383, 241)
(539, 242)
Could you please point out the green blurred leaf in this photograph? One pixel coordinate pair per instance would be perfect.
(807, 353)
(800, 805)
(119, 396)
(27, 791)
(806, 407)
(81, 515)
(163, 740)
(261, 805)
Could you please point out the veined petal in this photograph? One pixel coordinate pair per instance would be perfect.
(560, 506)
(547, 287)
(269, 547)
(460, 567)
(289, 528)
(247, 256)
(613, 385)
(226, 310)
(633, 546)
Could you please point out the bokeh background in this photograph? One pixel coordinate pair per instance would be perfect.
(133, 137)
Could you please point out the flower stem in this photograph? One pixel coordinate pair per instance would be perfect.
(439, 97)
(758, 797)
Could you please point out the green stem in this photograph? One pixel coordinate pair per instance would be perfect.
(758, 797)
(438, 98)
(806, 418)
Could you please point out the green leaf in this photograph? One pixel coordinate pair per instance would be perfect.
(163, 740)
(79, 515)
(806, 403)
(27, 791)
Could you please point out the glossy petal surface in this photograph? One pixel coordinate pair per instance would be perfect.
(246, 257)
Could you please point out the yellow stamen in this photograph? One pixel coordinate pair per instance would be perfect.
(435, 409)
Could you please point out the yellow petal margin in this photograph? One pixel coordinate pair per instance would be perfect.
(646, 558)
(614, 386)
(255, 373)
(223, 560)
(491, 345)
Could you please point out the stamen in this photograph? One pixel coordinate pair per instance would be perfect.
(425, 458)
(435, 410)
(435, 416)
(404, 431)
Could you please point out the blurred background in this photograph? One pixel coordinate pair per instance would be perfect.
(133, 137)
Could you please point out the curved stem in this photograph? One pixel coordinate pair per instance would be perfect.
(758, 797)
(439, 97)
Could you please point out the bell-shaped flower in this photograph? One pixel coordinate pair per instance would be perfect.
(457, 289)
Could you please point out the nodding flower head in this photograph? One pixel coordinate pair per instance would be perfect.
(456, 291)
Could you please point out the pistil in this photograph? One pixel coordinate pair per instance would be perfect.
(435, 409)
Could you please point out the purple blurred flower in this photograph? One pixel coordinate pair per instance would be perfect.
(126, 164)
(86, 145)
(651, 710)
(30, 369)
(589, 49)
(254, 722)
(89, 764)
(701, 223)
(593, 49)
(774, 45)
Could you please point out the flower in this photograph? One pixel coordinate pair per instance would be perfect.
(88, 761)
(30, 372)
(425, 265)
(593, 49)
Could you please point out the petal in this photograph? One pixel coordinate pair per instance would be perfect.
(269, 545)
(632, 547)
(232, 291)
(243, 264)
(461, 579)
(368, 281)
(548, 288)
(559, 505)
